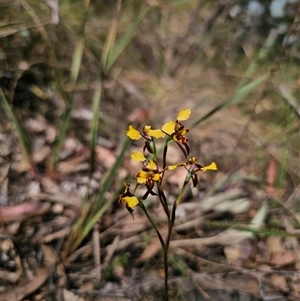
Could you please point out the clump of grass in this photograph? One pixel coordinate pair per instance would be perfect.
(93, 209)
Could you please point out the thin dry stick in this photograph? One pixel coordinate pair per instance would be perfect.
(110, 251)
(97, 254)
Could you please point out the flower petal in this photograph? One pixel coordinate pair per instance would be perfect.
(169, 127)
(156, 177)
(131, 201)
(147, 128)
(151, 165)
(172, 167)
(132, 133)
(141, 177)
(138, 156)
(184, 114)
(156, 133)
(212, 166)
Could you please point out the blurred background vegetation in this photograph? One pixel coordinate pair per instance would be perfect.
(92, 67)
(157, 55)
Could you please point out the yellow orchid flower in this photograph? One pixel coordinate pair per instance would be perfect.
(192, 166)
(177, 131)
(128, 198)
(148, 133)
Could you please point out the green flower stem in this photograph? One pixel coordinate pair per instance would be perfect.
(142, 206)
(166, 269)
(153, 148)
(171, 222)
(164, 248)
(165, 150)
(163, 200)
(177, 202)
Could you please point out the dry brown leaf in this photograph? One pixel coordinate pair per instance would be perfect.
(37, 124)
(78, 162)
(295, 280)
(279, 281)
(274, 246)
(50, 256)
(271, 177)
(23, 211)
(243, 283)
(40, 150)
(18, 292)
(105, 156)
(70, 146)
(20, 164)
(54, 194)
(68, 295)
(50, 133)
(237, 254)
(280, 260)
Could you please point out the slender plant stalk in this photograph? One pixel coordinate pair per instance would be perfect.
(171, 221)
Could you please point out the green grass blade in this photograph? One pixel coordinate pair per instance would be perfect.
(62, 133)
(76, 59)
(125, 39)
(110, 39)
(66, 117)
(20, 134)
(95, 122)
(235, 98)
(100, 207)
(259, 58)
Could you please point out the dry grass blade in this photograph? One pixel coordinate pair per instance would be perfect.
(110, 39)
(126, 38)
(286, 93)
(76, 60)
(229, 236)
(113, 49)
